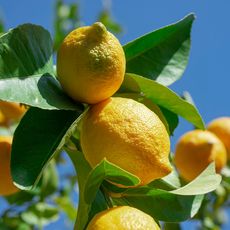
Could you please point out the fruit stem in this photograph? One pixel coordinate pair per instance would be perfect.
(107, 197)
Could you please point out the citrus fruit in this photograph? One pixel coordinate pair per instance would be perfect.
(221, 127)
(10, 112)
(122, 218)
(128, 134)
(90, 64)
(6, 185)
(195, 150)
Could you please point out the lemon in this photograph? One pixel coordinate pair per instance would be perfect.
(90, 64)
(221, 127)
(128, 134)
(6, 184)
(10, 112)
(122, 218)
(195, 150)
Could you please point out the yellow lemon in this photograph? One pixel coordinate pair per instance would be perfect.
(128, 134)
(122, 218)
(90, 64)
(6, 184)
(221, 127)
(196, 150)
(10, 112)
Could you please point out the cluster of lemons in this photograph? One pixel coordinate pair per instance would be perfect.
(9, 113)
(91, 68)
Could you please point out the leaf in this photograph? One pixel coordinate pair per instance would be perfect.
(66, 205)
(175, 205)
(38, 136)
(161, 204)
(26, 69)
(169, 182)
(49, 180)
(161, 55)
(40, 214)
(206, 182)
(162, 96)
(107, 171)
(85, 211)
(25, 51)
(42, 91)
(171, 118)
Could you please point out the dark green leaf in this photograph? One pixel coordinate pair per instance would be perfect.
(42, 91)
(162, 96)
(107, 171)
(38, 136)
(161, 55)
(25, 51)
(171, 118)
(161, 204)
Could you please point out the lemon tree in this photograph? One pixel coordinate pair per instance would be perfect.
(119, 147)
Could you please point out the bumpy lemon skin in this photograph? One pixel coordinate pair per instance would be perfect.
(6, 184)
(221, 128)
(10, 112)
(128, 134)
(90, 64)
(122, 218)
(195, 150)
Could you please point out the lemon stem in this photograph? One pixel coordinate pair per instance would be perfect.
(107, 197)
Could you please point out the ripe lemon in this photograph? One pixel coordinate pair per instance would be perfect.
(10, 112)
(90, 64)
(122, 218)
(196, 150)
(6, 185)
(221, 127)
(128, 134)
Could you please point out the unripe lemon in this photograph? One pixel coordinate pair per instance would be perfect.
(122, 218)
(90, 64)
(6, 184)
(196, 150)
(221, 127)
(10, 112)
(128, 134)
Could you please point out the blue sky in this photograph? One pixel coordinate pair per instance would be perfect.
(207, 76)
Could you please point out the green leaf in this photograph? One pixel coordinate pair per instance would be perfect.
(66, 204)
(49, 180)
(161, 204)
(26, 69)
(42, 91)
(171, 118)
(169, 182)
(161, 55)
(175, 205)
(85, 211)
(206, 182)
(107, 171)
(162, 96)
(25, 51)
(39, 135)
(40, 214)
